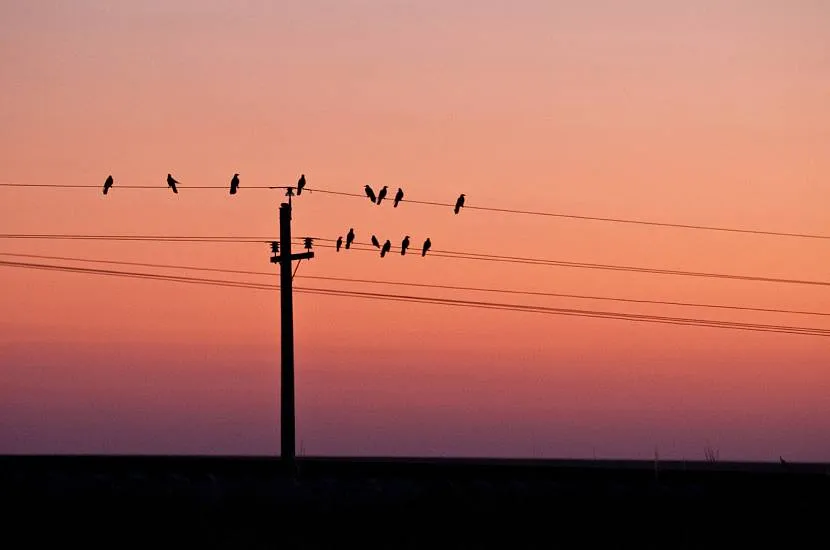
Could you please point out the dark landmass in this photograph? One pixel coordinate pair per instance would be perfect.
(242, 502)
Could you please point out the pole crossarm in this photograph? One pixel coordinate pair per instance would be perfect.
(301, 256)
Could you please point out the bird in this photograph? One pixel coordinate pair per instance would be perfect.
(172, 183)
(459, 203)
(398, 197)
(375, 242)
(427, 244)
(349, 238)
(300, 184)
(339, 243)
(382, 193)
(370, 193)
(107, 184)
(387, 246)
(234, 184)
(404, 245)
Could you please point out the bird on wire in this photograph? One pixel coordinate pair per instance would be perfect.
(339, 243)
(349, 238)
(382, 193)
(375, 242)
(404, 245)
(172, 183)
(234, 184)
(398, 197)
(370, 193)
(387, 246)
(459, 203)
(108, 184)
(427, 245)
(300, 184)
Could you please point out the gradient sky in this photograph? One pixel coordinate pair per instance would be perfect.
(709, 112)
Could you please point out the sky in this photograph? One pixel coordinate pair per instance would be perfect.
(709, 112)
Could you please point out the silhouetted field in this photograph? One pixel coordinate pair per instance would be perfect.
(226, 502)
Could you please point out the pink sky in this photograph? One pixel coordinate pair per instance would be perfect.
(706, 113)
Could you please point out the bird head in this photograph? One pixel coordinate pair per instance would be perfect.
(236, 174)
(406, 237)
(462, 194)
(385, 186)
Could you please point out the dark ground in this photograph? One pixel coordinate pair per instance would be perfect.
(225, 502)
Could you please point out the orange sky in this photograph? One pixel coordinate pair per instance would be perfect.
(707, 113)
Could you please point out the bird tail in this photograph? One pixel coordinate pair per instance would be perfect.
(105, 190)
(299, 191)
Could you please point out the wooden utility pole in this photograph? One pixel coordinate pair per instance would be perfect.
(285, 259)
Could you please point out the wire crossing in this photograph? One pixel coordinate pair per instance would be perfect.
(783, 329)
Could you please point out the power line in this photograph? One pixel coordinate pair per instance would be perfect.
(447, 302)
(607, 267)
(365, 247)
(562, 215)
(425, 285)
(162, 187)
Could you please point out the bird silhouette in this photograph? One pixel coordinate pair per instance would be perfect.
(234, 184)
(382, 193)
(339, 243)
(300, 184)
(375, 242)
(370, 193)
(404, 245)
(459, 203)
(427, 244)
(172, 183)
(398, 197)
(387, 246)
(349, 238)
(107, 184)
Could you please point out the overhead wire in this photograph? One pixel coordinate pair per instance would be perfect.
(785, 329)
(467, 206)
(422, 285)
(476, 256)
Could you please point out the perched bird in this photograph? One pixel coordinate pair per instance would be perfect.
(404, 245)
(382, 193)
(387, 246)
(349, 238)
(172, 183)
(375, 242)
(300, 184)
(398, 197)
(234, 184)
(427, 244)
(459, 203)
(370, 193)
(107, 184)
(339, 243)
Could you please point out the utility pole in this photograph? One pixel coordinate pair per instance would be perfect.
(285, 259)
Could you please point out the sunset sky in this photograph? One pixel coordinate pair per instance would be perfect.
(710, 112)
